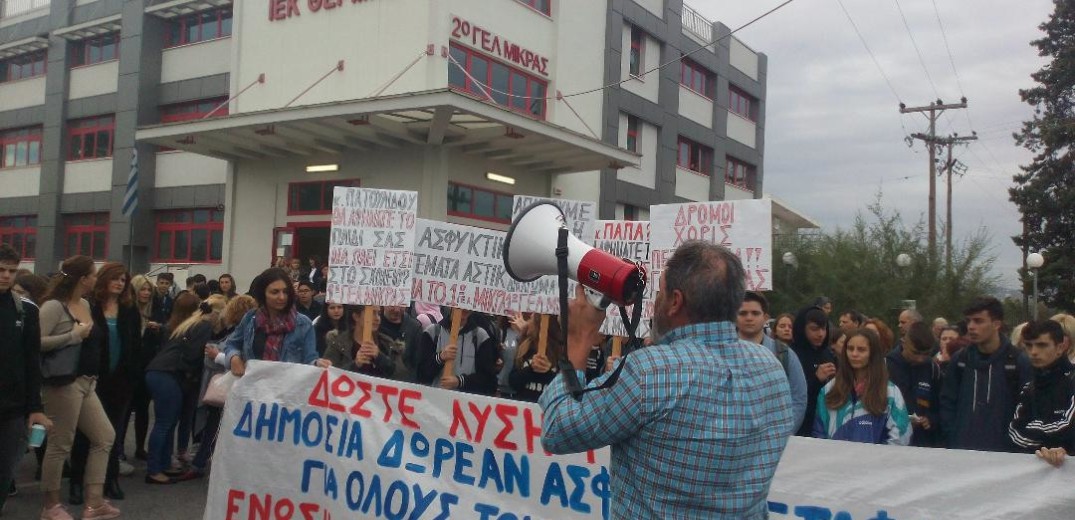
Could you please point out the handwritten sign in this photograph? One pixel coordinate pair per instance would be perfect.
(543, 295)
(460, 266)
(300, 442)
(371, 244)
(743, 226)
(626, 239)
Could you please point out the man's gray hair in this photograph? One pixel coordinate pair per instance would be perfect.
(914, 315)
(711, 279)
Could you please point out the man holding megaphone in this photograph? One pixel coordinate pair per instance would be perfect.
(697, 421)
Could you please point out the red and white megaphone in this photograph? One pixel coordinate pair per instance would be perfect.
(530, 253)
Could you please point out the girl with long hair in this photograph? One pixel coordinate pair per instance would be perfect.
(114, 312)
(186, 304)
(227, 286)
(347, 351)
(782, 328)
(143, 289)
(884, 334)
(860, 404)
(174, 372)
(532, 371)
(71, 363)
(332, 318)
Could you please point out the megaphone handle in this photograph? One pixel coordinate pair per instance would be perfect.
(543, 335)
(453, 339)
(617, 346)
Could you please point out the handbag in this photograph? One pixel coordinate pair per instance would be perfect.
(216, 393)
(62, 362)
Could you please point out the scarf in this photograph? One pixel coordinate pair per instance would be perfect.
(275, 330)
(860, 387)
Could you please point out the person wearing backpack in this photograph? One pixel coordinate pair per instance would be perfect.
(918, 376)
(750, 321)
(982, 383)
(1044, 415)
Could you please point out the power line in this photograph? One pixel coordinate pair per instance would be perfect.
(951, 60)
(916, 49)
(869, 51)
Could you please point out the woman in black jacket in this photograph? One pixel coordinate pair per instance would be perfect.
(113, 311)
(177, 370)
(534, 371)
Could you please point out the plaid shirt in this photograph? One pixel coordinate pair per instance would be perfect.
(697, 426)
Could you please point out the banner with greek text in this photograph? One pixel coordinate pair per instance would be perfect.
(298, 442)
(744, 226)
(371, 246)
(627, 239)
(460, 266)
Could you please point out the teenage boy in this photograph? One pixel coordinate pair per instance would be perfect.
(1044, 414)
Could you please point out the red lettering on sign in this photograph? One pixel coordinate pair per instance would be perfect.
(234, 495)
(479, 37)
(387, 391)
(505, 412)
(459, 419)
(359, 408)
(405, 409)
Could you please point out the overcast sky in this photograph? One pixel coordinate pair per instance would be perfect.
(833, 129)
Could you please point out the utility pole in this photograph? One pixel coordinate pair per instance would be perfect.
(949, 166)
(932, 112)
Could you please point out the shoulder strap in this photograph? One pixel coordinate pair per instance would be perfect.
(19, 311)
(782, 354)
(1011, 372)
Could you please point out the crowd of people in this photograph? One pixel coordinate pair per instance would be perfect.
(93, 346)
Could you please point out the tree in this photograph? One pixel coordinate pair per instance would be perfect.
(1045, 191)
(857, 268)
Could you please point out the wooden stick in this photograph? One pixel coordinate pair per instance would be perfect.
(617, 346)
(367, 324)
(453, 338)
(543, 335)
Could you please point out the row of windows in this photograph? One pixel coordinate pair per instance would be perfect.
(479, 203)
(699, 158)
(20, 147)
(21, 67)
(198, 27)
(495, 81)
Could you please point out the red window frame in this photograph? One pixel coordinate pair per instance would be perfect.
(191, 28)
(28, 139)
(741, 103)
(86, 234)
(696, 78)
(20, 232)
(79, 132)
(173, 223)
(694, 157)
(638, 51)
(739, 174)
(191, 110)
(542, 6)
(97, 49)
(633, 132)
(500, 215)
(631, 212)
(325, 195)
(25, 66)
(531, 104)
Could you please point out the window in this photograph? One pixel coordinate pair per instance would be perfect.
(740, 174)
(20, 233)
(314, 198)
(21, 67)
(91, 138)
(695, 157)
(528, 92)
(98, 49)
(696, 78)
(741, 103)
(541, 6)
(638, 48)
(20, 147)
(478, 203)
(86, 234)
(631, 212)
(193, 110)
(633, 132)
(198, 27)
(189, 235)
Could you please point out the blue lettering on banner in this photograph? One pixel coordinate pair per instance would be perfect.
(491, 512)
(820, 512)
(275, 423)
(394, 501)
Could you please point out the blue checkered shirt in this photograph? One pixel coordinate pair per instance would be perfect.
(697, 425)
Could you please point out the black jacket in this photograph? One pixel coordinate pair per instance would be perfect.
(529, 385)
(162, 307)
(920, 386)
(20, 369)
(183, 355)
(474, 342)
(403, 338)
(978, 397)
(1046, 410)
(810, 358)
(129, 325)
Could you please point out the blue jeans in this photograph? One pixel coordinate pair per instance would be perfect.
(167, 405)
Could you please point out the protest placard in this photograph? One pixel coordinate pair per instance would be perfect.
(371, 245)
(743, 226)
(460, 266)
(543, 295)
(630, 240)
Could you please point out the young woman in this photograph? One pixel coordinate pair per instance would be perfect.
(782, 328)
(143, 299)
(860, 404)
(227, 286)
(884, 334)
(532, 372)
(69, 392)
(346, 349)
(184, 307)
(114, 313)
(175, 371)
(285, 335)
(31, 287)
(331, 318)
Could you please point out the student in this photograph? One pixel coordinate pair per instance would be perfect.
(1043, 416)
(751, 325)
(473, 356)
(347, 351)
(913, 370)
(860, 404)
(532, 372)
(331, 318)
(305, 302)
(811, 344)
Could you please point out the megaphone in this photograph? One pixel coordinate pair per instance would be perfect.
(530, 253)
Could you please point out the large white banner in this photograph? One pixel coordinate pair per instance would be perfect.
(460, 266)
(371, 245)
(301, 443)
(744, 226)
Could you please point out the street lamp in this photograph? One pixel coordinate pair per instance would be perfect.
(790, 261)
(903, 260)
(1034, 261)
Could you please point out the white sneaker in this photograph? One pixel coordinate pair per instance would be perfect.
(125, 469)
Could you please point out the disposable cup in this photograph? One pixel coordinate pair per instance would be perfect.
(37, 436)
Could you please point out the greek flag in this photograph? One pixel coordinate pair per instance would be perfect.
(130, 198)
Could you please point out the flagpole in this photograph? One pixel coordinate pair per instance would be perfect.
(130, 203)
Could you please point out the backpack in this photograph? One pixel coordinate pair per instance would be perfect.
(782, 354)
(1011, 370)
